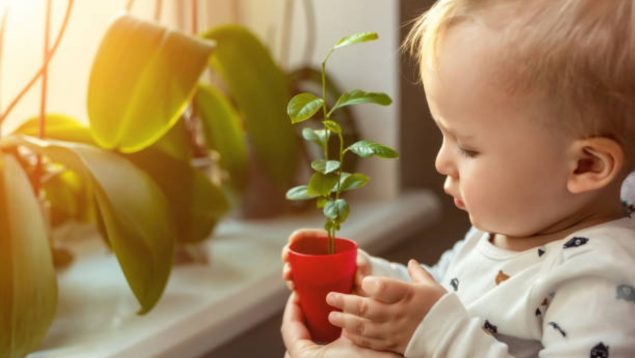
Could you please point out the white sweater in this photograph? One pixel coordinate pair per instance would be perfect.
(573, 297)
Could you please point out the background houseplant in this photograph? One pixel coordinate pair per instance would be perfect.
(133, 209)
(130, 172)
(324, 264)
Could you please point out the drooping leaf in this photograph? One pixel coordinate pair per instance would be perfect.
(325, 166)
(303, 106)
(352, 181)
(321, 184)
(300, 192)
(223, 132)
(28, 286)
(260, 90)
(356, 38)
(336, 210)
(195, 202)
(134, 211)
(58, 126)
(359, 97)
(366, 148)
(141, 81)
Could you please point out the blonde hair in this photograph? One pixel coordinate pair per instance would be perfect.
(579, 54)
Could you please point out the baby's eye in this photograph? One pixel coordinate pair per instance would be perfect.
(468, 152)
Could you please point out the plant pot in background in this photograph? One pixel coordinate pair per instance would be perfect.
(315, 274)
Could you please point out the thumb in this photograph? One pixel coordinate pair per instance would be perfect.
(417, 273)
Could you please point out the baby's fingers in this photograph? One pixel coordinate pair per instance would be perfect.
(359, 306)
(362, 332)
(355, 325)
(386, 290)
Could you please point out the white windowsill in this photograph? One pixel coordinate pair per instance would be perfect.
(206, 306)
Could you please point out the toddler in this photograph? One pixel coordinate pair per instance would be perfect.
(536, 104)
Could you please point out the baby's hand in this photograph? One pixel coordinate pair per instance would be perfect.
(363, 263)
(387, 319)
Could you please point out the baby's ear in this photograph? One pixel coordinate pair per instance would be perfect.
(595, 163)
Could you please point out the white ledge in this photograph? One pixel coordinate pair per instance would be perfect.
(206, 306)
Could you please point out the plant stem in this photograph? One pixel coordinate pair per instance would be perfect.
(37, 75)
(43, 97)
(129, 5)
(194, 17)
(2, 28)
(158, 9)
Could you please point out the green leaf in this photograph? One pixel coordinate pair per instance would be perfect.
(317, 136)
(134, 210)
(365, 148)
(68, 196)
(353, 181)
(28, 286)
(320, 202)
(332, 126)
(325, 166)
(321, 184)
(196, 204)
(336, 210)
(356, 38)
(300, 192)
(359, 97)
(141, 81)
(223, 133)
(260, 90)
(176, 142)
(58, 126)
(303, 106)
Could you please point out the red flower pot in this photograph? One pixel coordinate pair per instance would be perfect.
(315, 274)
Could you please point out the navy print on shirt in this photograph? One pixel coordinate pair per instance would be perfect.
(600, 351)
(455, 284)
(541, 251)
(557, 328)
(487, 326)
(626, 293)
(575, 242)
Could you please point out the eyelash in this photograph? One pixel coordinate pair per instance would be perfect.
(468, 153)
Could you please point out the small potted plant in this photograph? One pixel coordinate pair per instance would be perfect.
(324, 264)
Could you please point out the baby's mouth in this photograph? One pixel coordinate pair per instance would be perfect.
(459, 204)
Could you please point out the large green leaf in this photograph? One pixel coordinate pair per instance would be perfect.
(261, 91)
(58, 126)
(196, 203)
(28, 287)
(141, 81)
(134, 212)
(223, 132)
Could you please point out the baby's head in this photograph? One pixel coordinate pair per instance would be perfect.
(536, 101)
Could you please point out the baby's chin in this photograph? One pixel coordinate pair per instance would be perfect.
(501, 228)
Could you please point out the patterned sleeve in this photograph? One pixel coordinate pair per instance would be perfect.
(449, 331)
(590, 317)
